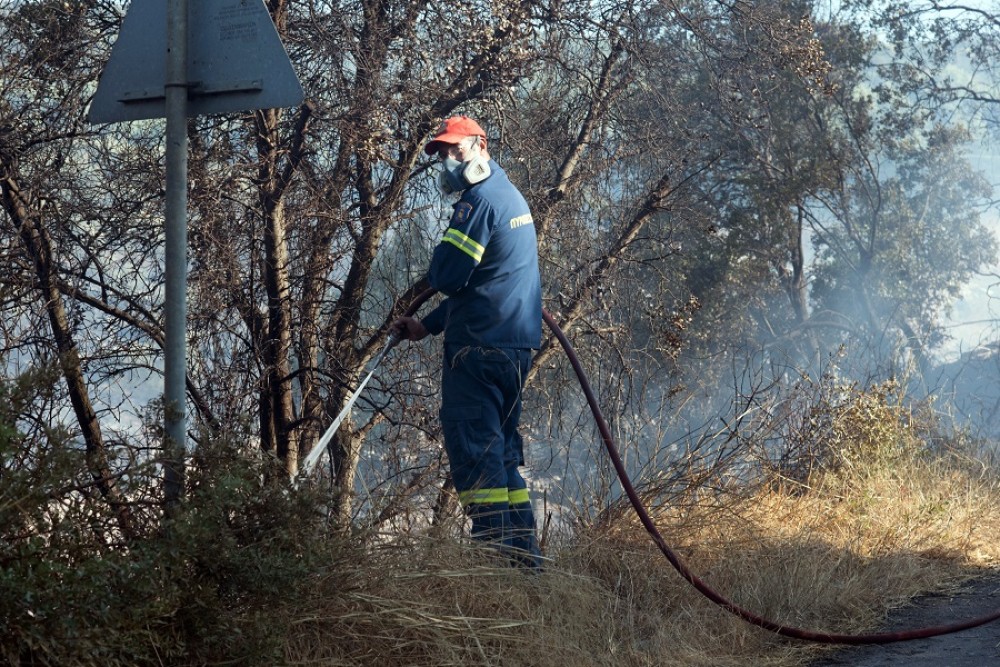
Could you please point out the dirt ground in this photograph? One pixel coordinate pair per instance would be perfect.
(976, 647)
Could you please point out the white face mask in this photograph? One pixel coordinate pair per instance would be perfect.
(450, 180)
(456, 176)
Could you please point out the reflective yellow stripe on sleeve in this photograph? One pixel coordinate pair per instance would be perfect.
(464, 243)
(482, 496)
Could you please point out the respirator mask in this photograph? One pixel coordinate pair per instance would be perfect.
(456, 175)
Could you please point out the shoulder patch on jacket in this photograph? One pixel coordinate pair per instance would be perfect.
(462, 212)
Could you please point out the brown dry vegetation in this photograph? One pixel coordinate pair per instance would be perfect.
(880, 519)
(249, 574)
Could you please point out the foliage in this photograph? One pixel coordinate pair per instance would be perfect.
(246, 571)
(833, 558)
(709, 180)
(704, 176)
(209, 588)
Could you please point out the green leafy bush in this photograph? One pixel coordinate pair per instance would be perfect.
(211, 585)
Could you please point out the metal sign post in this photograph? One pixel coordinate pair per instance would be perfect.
(175, 60)
(175, 253)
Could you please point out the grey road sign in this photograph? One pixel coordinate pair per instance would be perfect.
(236, 62)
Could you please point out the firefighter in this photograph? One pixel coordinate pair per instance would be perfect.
(486, 265)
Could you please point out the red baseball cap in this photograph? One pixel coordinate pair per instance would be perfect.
(452, 131)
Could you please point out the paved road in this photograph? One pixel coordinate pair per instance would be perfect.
(976, 647)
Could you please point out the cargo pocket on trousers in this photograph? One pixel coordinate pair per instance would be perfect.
(462, 427)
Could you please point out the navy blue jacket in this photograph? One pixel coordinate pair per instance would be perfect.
(487, 266)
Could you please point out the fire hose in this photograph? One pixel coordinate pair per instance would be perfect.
(639, 507)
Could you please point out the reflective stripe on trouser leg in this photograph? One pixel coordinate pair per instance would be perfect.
(488, 510)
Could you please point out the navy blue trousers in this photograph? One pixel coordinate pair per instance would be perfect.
(480, 413)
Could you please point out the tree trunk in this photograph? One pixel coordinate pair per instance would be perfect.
(278, 165)
(39, 247)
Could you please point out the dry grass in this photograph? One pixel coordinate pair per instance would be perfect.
(834, 555)
(835, 538)
(448, 603)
